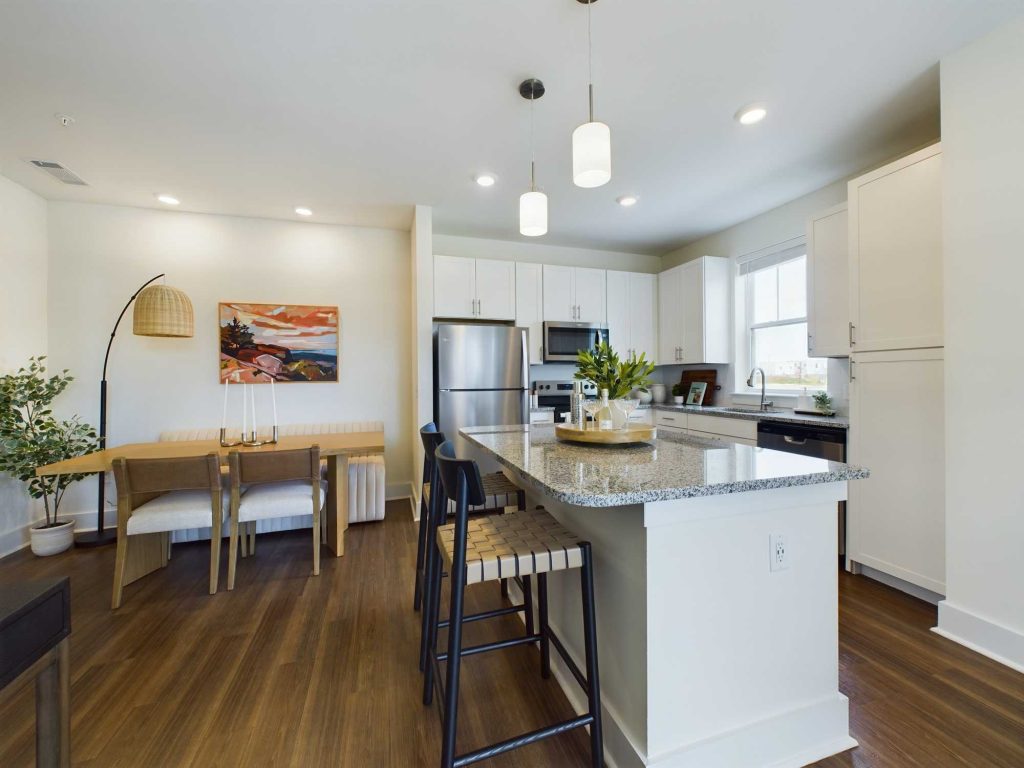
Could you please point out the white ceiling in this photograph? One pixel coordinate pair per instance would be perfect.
(360, 109)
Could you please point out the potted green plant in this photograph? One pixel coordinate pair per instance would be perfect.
(678, 394)
(618, 377)
(30, 437)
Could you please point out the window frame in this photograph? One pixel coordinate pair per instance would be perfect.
(746, 328)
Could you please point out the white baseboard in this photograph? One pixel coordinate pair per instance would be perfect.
(998, 642)
(921, 593)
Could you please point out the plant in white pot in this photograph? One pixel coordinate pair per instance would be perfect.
(30, 437)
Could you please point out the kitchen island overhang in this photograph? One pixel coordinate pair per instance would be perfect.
(708, 656)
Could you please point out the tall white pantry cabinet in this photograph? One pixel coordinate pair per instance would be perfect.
(896, 518)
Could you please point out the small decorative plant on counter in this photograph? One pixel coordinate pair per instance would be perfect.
(678, 394)
(823, 402)
(30, 437)
(618, 377)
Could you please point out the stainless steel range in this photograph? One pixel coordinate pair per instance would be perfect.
(555, 394)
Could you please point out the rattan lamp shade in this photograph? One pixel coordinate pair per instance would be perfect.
(161, 310)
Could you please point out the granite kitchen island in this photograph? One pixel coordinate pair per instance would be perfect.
(711, 655)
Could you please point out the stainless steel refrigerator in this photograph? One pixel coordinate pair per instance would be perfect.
(481, 376)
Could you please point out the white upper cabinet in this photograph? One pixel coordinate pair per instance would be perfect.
(693, 312)
(574, 294)
(559, 298)
(643, 323)
(828, 284)
(530, 307)
(632, 313)
(495, 289)
(474, 288)
(589, 289)
(895, 242)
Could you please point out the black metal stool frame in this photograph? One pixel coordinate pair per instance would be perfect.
(432, 515)
(461, 481)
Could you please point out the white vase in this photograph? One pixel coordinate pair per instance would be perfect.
(678, 399)
(53, 540)
(658, 392)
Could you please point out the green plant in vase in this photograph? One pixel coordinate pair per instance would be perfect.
(823, 402)
(678, 393)
(614, 378)
(30, 437)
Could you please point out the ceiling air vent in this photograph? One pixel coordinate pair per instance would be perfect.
(59, 172)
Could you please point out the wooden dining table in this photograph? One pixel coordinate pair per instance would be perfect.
(336, 447)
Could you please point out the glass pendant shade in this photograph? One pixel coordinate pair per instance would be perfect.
(591, 155)
(533, 214)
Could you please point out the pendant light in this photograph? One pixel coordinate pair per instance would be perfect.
(533, 205)
(592, 141)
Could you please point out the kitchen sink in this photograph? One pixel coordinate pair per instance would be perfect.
(750, 409)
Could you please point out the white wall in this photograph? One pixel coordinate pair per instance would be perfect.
(422, 301)
(22, 325)
(770, 228)
(983, 165)
(99, 255)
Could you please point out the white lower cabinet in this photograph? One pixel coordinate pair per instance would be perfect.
(737, 430)
(542, 417)
(672, 420)
(646, 416)
(896, 517)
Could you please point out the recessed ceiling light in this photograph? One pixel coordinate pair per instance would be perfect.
(626, 201)
(485, 179)
(168, 199)
(303, 211)
(750, 114)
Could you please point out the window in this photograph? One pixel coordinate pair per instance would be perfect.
(775, 299)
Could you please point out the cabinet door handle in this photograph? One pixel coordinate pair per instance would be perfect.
(852, 342)
(852, 376)
(810, 345)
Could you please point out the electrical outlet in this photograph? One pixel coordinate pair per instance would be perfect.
(778, 552)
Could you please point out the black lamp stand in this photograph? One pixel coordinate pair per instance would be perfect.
(102, 535)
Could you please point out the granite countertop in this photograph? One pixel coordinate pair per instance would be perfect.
(782, 415)
(669, 468)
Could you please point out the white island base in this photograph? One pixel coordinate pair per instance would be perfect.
(708, 658)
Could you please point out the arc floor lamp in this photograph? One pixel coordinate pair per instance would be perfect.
(160, 310)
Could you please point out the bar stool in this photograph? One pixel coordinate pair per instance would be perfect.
(433, 513)
(495, 485)
(489, 548)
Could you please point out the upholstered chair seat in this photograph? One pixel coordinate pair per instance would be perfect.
(262, 502)
(174, 511)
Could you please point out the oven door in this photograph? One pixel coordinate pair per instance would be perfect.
(564, 341)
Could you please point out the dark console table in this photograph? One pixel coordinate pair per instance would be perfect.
(35, 622)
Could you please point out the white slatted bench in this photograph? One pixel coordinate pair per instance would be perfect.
(366, 476)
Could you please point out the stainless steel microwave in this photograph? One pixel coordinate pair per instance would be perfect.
(563, 341)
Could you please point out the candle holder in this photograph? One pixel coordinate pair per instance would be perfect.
(224, 439)
(255, 442)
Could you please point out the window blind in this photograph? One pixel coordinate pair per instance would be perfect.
(772, 259)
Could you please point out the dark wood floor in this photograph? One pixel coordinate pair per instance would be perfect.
(291, 670)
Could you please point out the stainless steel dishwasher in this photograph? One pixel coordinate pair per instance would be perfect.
(822, 442)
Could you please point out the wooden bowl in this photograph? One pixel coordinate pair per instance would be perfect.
(631, 433)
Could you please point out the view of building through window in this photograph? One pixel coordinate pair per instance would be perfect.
(777, 322)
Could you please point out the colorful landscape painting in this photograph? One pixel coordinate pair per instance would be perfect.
(283, 342)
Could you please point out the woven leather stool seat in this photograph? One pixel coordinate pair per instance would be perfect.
(495, 485)
(517, 544)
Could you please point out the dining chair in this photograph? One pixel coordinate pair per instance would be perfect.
(278, 484)
(157, 496)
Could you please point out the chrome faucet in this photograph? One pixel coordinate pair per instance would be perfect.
(765, 404)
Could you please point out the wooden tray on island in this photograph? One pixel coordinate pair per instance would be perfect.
(631, 433)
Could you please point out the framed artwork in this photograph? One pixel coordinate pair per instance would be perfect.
(279, 342)
(696, 393)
